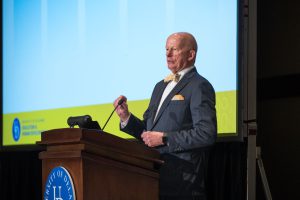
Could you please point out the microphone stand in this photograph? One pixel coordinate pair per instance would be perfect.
(109, 117)
(119, 103)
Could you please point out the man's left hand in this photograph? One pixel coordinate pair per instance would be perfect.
(152, 138)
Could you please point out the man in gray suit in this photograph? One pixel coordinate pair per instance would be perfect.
(180, 122)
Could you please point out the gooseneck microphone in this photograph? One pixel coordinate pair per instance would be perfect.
(119, 103)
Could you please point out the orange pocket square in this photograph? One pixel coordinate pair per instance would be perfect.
(178, 97)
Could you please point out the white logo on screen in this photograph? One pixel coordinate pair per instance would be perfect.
(16, 129)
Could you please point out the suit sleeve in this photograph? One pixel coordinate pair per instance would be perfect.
(136, 126)
(203, 132)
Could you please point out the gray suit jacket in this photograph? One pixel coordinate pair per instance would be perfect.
(191, 127)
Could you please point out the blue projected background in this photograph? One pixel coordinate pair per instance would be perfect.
(70, 53)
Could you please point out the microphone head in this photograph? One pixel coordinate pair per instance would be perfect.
(121, 101)
(84, 121)
(79, 120)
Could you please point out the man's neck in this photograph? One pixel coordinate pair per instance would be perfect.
(185, 70)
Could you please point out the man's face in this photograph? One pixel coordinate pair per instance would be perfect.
(177, 53)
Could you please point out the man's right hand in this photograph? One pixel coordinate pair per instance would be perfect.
(122, 110)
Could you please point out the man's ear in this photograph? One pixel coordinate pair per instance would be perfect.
(192, 55)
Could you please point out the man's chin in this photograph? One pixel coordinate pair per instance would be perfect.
(172, 68)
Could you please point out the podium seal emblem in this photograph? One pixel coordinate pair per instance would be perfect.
(59, 185)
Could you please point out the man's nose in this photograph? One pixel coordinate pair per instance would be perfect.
(168, 53)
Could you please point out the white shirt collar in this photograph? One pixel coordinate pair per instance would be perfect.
(185, 71)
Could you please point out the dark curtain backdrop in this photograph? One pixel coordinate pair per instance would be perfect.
(227, 171)
(21, 173)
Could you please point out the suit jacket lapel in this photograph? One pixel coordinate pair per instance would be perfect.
(183, 82)
(157, 100)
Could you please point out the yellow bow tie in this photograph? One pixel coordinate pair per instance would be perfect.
(172, 77)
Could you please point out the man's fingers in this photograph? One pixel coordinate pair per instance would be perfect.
(116, 102)
(146, 136)
(152, 138)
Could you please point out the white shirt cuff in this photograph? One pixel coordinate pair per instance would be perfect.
(124, 123)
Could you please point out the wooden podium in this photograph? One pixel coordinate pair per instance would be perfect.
(102, 166)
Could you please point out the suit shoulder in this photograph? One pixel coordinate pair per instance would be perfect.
(159, 84)
(200, 80)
